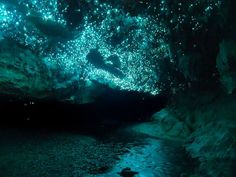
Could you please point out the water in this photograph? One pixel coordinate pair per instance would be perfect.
(31, 153)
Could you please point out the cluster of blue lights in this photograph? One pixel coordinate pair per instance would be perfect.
(138, 41)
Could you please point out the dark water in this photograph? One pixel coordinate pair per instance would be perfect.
(31, 153)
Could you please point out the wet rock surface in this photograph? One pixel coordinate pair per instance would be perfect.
(164, 125)
(127, 172)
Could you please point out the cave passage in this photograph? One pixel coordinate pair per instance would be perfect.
(111, 109)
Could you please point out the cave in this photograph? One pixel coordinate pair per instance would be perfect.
(129, 88)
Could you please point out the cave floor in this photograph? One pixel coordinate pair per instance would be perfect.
(31, 153)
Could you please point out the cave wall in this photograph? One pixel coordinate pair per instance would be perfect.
(22, 72)
(210, 118)
(226, 64)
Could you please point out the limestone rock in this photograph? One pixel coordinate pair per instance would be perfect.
(21, 72)
(164, 125)
(226, 64)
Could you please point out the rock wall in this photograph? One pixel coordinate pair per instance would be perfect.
(211, 119)
(22, 72)
(226, 64)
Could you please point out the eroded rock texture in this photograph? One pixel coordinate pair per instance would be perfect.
(22, 72)
(226, 64)
(210, 118)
